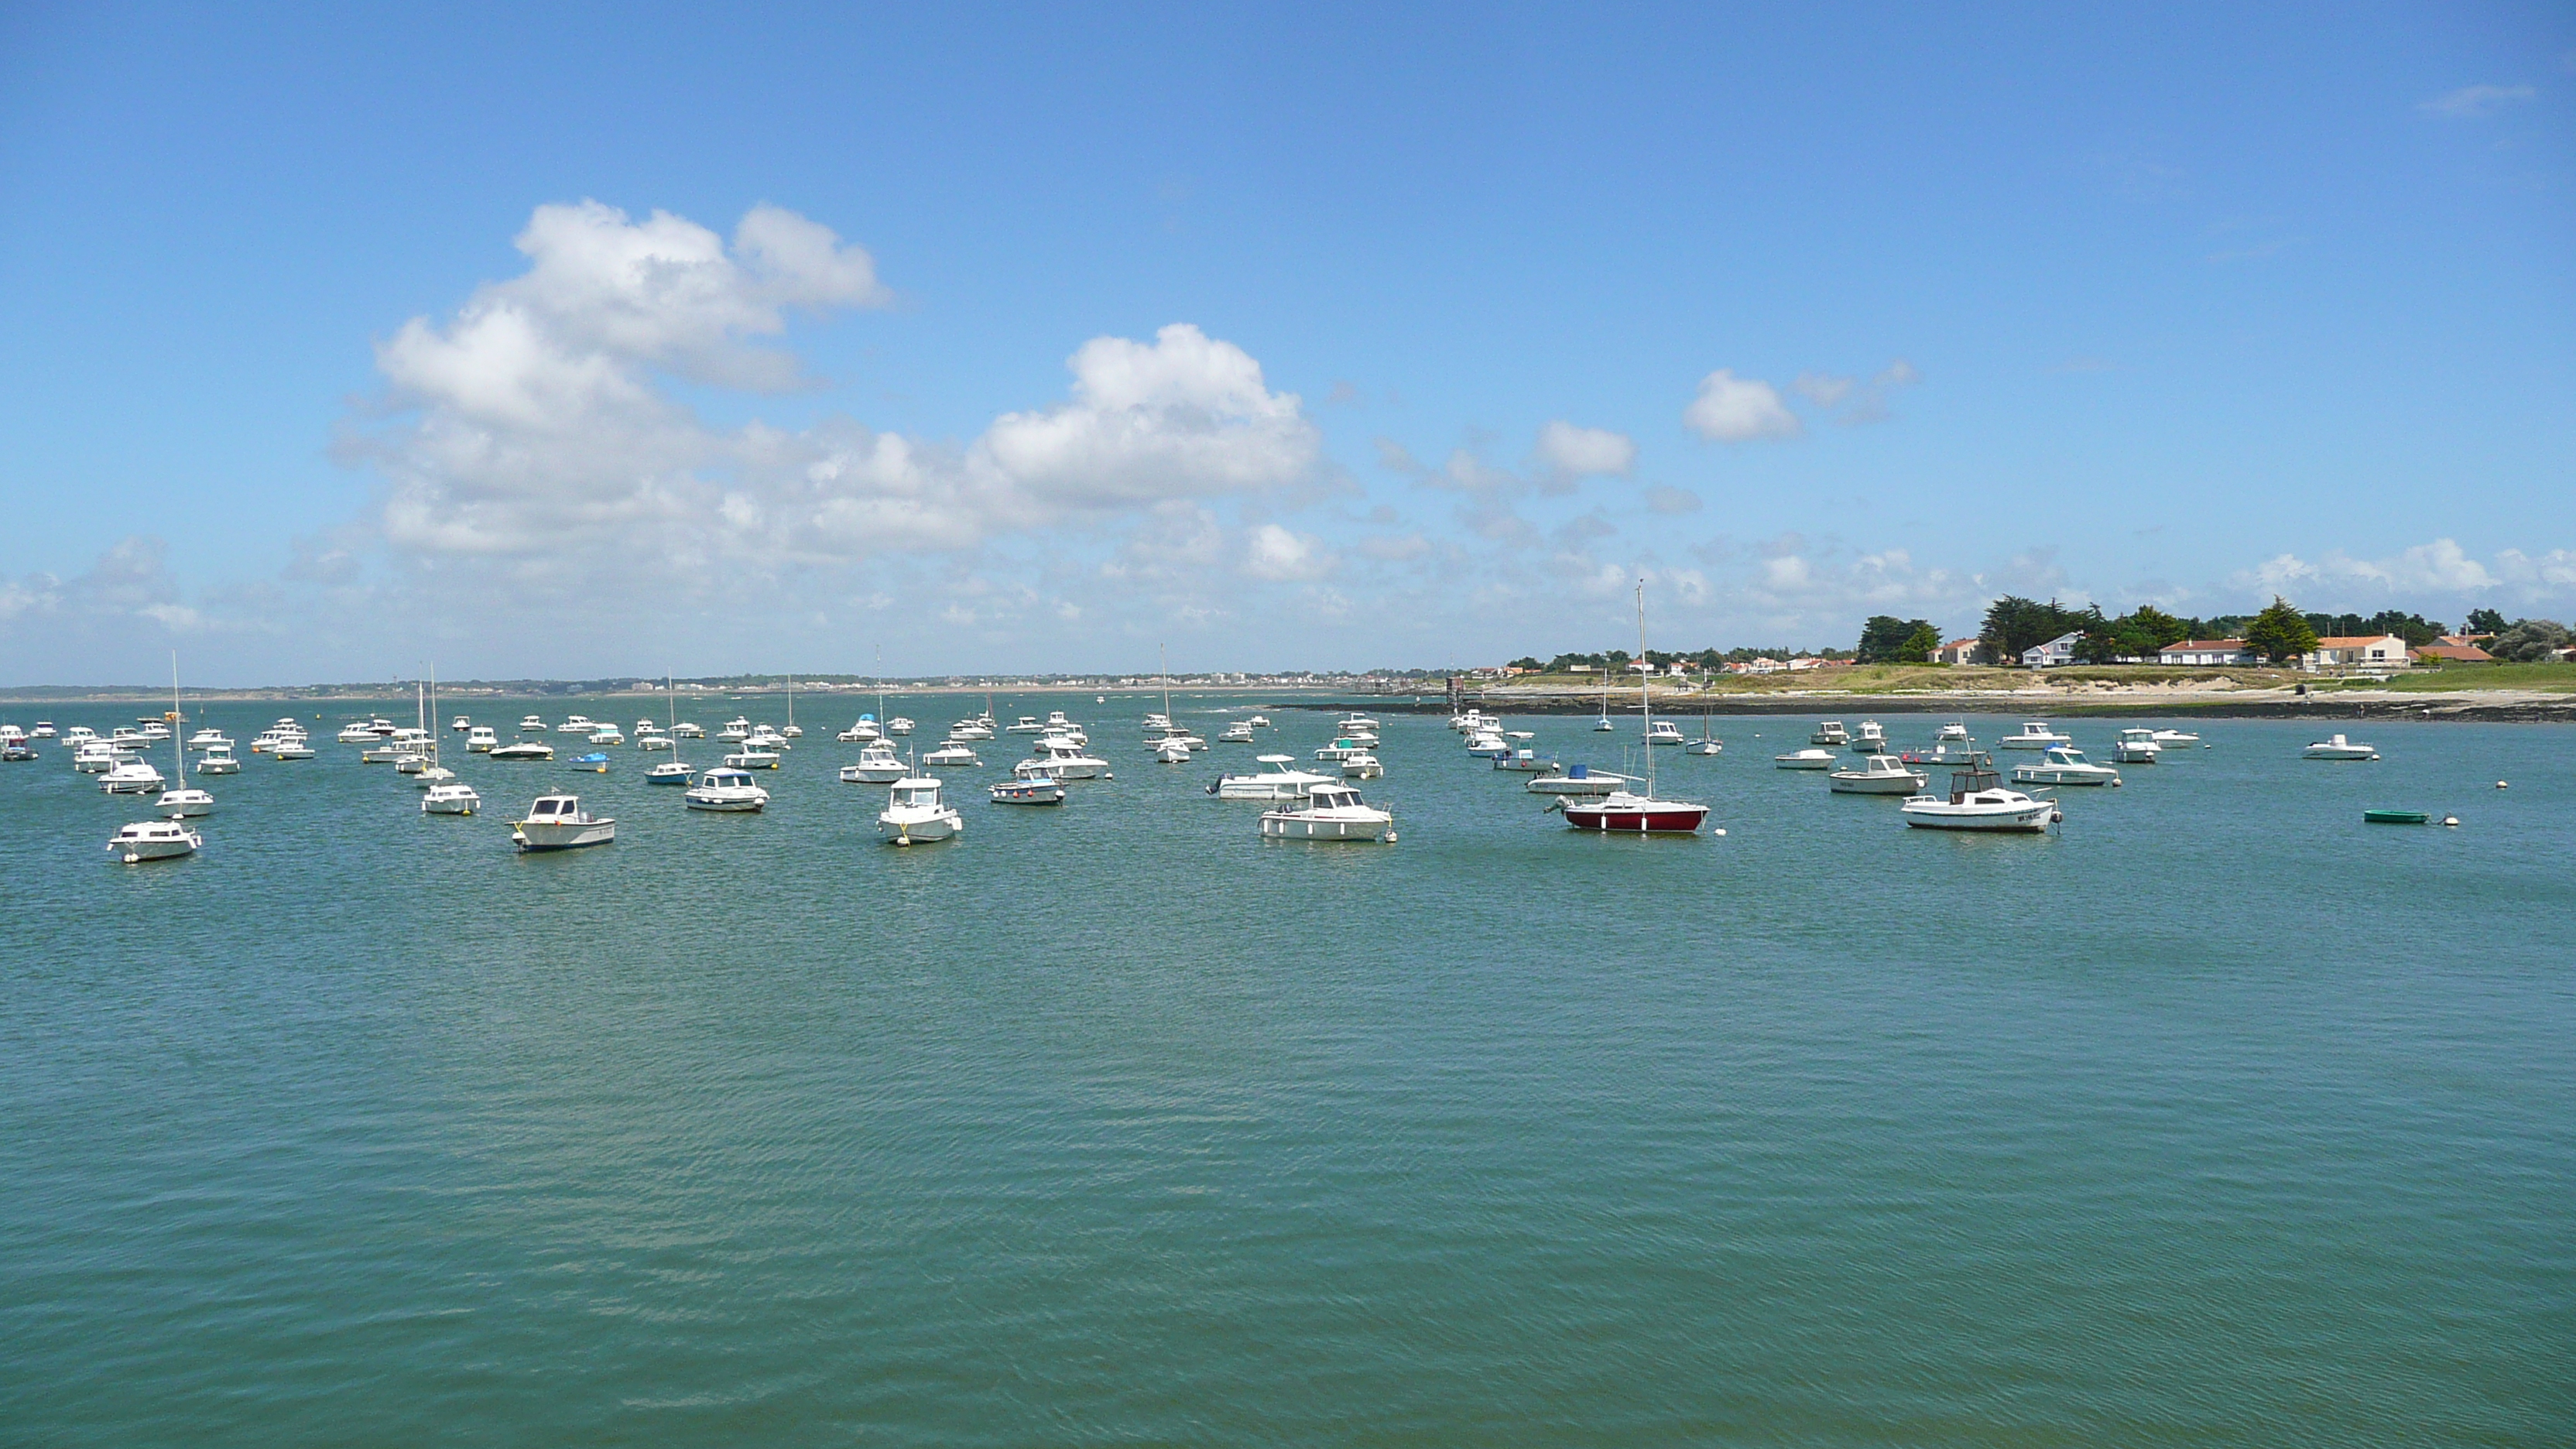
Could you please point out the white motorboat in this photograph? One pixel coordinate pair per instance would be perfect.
(220, 762)
(1276, 783)
(1878, 775)
(1030, 784)
(1665, 732)
(951, 755)
(2034, 735)
(878, 764)
(2336, 747)
(1578, 780)
(1810, 758)
(1869, 739)
(1027, 724)
(653, 740)
(144, 840)
(577, 724)
(899, 726)
(519, 750)
(1355, 723)
(1172, 752)
(1257, 721)
(750, 757)
(608, 734)
(726, 789)
(44, 730)
(460, 724)
(860, 733)
(969, 731)
(357, 734)
(914, 812)
(1521, 762)
(208, 738)
(94, 757)
(131, 777)
(2175, 739)
(1331, 812)
(532, 724)
(186, 800)
(430, 775)
(735, 731)
(481, 740)
(684, 730)
(1343, 748)
(1486, 742)
(1831, 732)
(1235, 734)
(557, 822)
(79, 735)
(2137, 747)
(1978, 800)
(1362, 767)
(294, 748)
(2064, 765)
(1954, 730)
(1065, 760)
(450, 798)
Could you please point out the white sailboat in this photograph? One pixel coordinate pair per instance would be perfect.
(183, 800)
(673, 771)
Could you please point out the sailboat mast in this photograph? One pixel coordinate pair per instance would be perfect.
(178, 722)
(1645, 688)
(671, 696)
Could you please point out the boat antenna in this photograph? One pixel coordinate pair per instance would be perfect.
(1645, 689)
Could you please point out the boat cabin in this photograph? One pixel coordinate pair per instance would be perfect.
(555, 807)
(916, 792)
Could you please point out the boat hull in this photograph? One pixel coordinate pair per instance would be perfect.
(1876, 784)
(2023, 819)
(135, 852)
(1028, 792)
(1283, 825)
(915, 828)
(534, 836)
(1638, 820)
(2043, 775)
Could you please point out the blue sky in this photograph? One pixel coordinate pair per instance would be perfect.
(344, 341)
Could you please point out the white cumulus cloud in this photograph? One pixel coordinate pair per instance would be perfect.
(1574, 452)
(1731, 409)
(1275, 553)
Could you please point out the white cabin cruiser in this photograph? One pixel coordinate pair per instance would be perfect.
(145, 840)
(1331, 812)
(1831, 732)
(207, 738)
(1578, 780)
(1810, 758)
(687, 731)
(1172, 752)
(951, 754)
(2034, 735)
(861, 732)
(751, 757)
(1362, 767)
(970, 731)
(186, 800)
(2175, 739)
(1869, 739)
(1665, 732)
(1343, 748)
(914, 812)
(460, 724)
(557, 822)
(1275, 783)
(735, 731)
(2065, 765)
(1979, 801)
(131, 777)
(577, 724)
(532, 724)
(293, 747)
(2137, 747)
(1878, 775)
(1027, 724)
(1065, 760)
(2336, 747)
(726, 789)
(93, 757)
(358, 734)
(878, 764)
(1239, 733)
(220, 761)
(518, 750)
(450, 799)
(481, 740)
(44, 730)
(608, 734)
(899, 725)
(1956, 729)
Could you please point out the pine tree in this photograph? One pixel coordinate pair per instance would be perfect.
(2280, 632)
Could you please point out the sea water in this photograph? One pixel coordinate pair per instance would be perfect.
(2214, 1117)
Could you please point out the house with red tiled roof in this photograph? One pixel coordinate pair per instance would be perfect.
(2358, 651)
(2205, 652)
(2455, 653)
(1963, 651)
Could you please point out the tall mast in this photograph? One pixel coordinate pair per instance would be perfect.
(672, 697)
(1167, 688)
(178, 746)
(1645, 689)
(433, 714)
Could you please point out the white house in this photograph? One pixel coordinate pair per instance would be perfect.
(2384, 651)
(2206, 651)
(1962, 651)
(2057, 651)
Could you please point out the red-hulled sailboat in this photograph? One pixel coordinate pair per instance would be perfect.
(1621, 812)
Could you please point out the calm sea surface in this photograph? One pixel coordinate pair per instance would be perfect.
(2216, 1118)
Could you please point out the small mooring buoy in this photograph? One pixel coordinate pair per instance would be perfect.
(2499, 784)
(2451, 820)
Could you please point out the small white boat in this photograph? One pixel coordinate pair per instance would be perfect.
(1235, 734)
(969, 731)
(144, 840)
(1665, 732)
(951, 755)
(1954, 730)
(2336, 747)
(1486, 742)
(687, 731)
(357, 734)
(2034, 735)
(208, 738)
(608, 735)
(1521, 762)
(577, 724)
(450, 799)
(726, 789)
(1878, 775)
(2175, 739)
(1869, 739)
(914, 812)
(1026, 724)
(1831, 732)
(557, 822)
(131, 777)
(431, 776)
(752, 758)
(1342, 749)
(656, 740)
(1257, 721)
(481, 740)
(1275, 783)
(2065, 765)
(1029, 784)
(1172, 752)
(1979, 801)
(1811, 758)
(460, 724)
(1352, 724)
(862, 732)
(1066, 761)
(1578, 780)
(220, 762)
(878, 764)
(44, 730)
(186, 800)
(1603, 726)
(899, 726)
(531, 724)
(2136, 747)
(294, 748)
(1331, 812)
(519, 750)
(1362, 767)
(94, 757)
(736, 730)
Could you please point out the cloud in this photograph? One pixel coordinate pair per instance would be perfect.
(1731, 409)
(1571, 452)
(1274, 553)
(537, 431)
(2439, 567)
(1661, 499)
(2470, 103)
